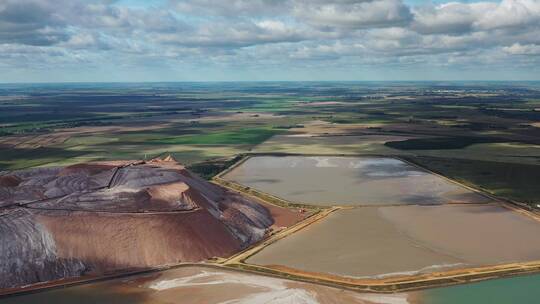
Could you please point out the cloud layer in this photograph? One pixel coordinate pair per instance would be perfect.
(288, 39)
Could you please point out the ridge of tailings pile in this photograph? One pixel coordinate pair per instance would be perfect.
(99, 218)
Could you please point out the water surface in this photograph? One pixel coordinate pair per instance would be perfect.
(327, 180)
(517, 290)
(381, 241)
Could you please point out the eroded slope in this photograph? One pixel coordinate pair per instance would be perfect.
(98, 218)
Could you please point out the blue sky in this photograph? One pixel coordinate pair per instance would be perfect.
(214, 40)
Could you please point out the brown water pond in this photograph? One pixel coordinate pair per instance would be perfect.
(325, 181)
(392, 240)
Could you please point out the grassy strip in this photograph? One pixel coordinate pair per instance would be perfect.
(14, 159)
(251, 136)
(439, 143)
(209, 169)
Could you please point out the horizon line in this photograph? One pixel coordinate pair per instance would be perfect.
(259, 81)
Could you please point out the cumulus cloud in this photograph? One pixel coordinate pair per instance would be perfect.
(30, 22)
(459, 18)
(519, 49)
(232, 8)
(87, 40)
(239, 34)
(511, 13)
(451, 17)
(255, 33)
(353, 14)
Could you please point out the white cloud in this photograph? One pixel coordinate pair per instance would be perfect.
(234, 35)
(511, 13)
(451, 17)
(459, 18)
(232, 8)
(518, 49)
(256, 33)
(353, 14)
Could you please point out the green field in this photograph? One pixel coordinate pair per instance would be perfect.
(13, 159)
(510, 180)
(236, 137)
(489, 140)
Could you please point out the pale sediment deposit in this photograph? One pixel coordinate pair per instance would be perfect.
(94, 219)
(194, 285)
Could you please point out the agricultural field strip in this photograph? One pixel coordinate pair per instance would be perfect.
(426, 280)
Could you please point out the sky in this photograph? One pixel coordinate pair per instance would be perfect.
(268, 40)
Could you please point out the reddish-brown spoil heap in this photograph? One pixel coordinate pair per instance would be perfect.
(106, 217)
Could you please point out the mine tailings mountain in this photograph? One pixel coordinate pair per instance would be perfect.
(100, 218)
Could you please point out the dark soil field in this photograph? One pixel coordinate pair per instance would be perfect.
(206, 125)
